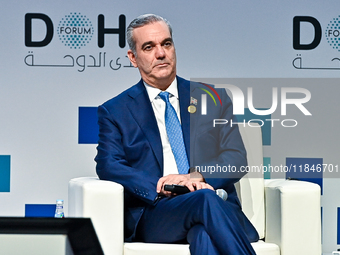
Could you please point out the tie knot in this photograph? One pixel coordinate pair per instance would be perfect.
(165, 96)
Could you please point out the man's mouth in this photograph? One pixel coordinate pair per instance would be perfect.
(162, 64)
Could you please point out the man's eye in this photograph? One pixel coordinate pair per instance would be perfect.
(168, 44)
(148, 47)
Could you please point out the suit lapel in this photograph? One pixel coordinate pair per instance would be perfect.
(141, 109)
(184, 101)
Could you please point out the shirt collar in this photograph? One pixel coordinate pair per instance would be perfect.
(153, 92)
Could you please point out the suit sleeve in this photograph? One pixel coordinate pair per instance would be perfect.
(220, 153)
(114, 164)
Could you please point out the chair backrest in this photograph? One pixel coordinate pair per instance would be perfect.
(250, 188)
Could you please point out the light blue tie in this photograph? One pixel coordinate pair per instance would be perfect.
(175, 135)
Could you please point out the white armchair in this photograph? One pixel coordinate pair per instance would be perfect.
(286, 213)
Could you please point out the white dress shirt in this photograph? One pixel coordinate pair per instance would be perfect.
(158, 106)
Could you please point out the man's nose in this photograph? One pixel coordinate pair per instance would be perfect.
(160, 53)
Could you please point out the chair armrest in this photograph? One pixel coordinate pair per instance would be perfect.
(102, 201)
(293, 216)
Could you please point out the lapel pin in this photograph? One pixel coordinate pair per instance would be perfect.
(193, 101)
(192, 109)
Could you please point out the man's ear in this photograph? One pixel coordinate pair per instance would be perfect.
(132, 58)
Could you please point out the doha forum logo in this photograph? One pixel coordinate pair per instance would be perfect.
(75, 30)
(310, 27)
(332, 33)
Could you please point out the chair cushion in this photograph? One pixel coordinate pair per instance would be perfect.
(155, 249)
(250, 188)
(260, 247)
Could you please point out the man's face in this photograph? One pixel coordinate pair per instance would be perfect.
(155, 54)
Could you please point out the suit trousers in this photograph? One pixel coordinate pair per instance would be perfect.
(210, 225)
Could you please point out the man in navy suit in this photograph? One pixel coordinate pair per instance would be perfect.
(134, 150)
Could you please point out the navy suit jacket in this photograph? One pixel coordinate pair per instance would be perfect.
(130, 149)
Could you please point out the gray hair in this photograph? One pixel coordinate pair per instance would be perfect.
(140, 21)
